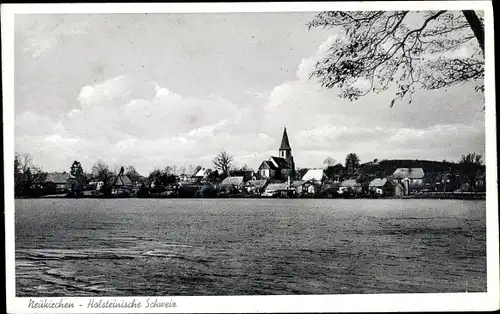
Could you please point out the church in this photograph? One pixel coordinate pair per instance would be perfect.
(279, 168)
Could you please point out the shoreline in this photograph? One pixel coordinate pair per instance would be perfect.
(435, 195)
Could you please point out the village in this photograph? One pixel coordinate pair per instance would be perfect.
(275, 177)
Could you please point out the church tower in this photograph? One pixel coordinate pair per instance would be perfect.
(285, 151)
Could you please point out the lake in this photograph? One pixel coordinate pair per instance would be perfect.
(160, 247)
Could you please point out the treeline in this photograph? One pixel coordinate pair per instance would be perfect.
(28, 177)
(468, 168)
(31, 180)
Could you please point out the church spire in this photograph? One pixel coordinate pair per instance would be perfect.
(285, 144)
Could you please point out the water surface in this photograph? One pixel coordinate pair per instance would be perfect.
(124, 247)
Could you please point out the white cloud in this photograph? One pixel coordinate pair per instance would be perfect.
(306, 65)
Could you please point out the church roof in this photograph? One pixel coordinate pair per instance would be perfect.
(269, 165)
(285, 144)
(281, 162)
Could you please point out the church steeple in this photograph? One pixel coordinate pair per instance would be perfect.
(285, 152)
(285, 144)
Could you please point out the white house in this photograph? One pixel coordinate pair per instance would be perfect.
(314, 175)
(410, 178)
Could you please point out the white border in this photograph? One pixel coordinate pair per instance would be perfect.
(304, 303)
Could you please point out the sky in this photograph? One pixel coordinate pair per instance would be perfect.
(152, 90)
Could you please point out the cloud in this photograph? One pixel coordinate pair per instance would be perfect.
(306, 65)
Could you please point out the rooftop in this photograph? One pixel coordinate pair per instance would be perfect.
(409, 173)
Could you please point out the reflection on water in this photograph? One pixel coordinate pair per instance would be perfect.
(120, 247)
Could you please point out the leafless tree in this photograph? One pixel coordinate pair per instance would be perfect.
(101, 171)
(223, 162)
(411, 49)
(472, 159)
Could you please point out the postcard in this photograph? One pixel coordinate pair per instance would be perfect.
(250, 157)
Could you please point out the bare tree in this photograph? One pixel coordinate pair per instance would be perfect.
(472, 159)
(101, 172)
(407, 48)
(27, 175)
(223, 162)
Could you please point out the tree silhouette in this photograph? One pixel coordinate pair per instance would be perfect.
(223, 162)
(329, 161)
(351, 163)
(472, 159)
(77, 171)
(411, 49)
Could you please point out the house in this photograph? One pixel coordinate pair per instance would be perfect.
(58, 182)
(381, 186)
(184, 177)
(232, 183)
(255, 186)
(281, 167)
(121, 184)
(350, 187)
(480, 183)
(410, 178)
(314, 175)
(305, 187)
(298, 185)
(201, 174)
(278, 189)
(246, 174)
(276, 168)
(96, 185)
(414, 175)
(329, 189)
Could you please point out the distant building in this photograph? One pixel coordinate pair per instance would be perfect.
(255, 186)
(201, 174)
(96, 185)
(282, 167)
(381, 187)
(350, 187)
(314, 175)
(329, 189)
(184, 177)
(58, 182)
(246, 174)
(121, 184)
(410, 178)
(233, 182)
(279, 189)
(305, 187)
(480, 183)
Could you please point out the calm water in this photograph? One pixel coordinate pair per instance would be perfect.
(90, 247)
